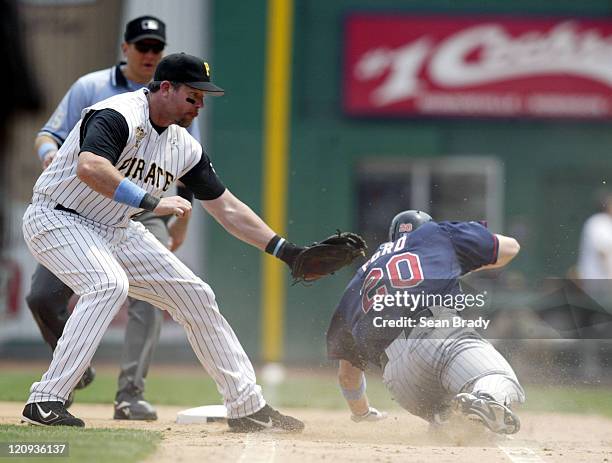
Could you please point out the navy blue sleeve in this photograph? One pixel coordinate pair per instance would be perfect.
(341, 344)
(474, 245)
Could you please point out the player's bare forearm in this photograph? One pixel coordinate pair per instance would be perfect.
(45, 147)
(43, 138)
(350, 379)
(353, 385)
(101, 176)
(98, 173)
(508, 249)
(239, 220)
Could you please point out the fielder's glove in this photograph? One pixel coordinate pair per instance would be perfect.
(328, 256)
(371, 415)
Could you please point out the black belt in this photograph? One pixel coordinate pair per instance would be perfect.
(59, 207)
(384, 359)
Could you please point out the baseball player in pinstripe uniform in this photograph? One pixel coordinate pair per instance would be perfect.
(145, 39)
(119, 159)
(434, 367)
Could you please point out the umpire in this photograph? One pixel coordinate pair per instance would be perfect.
(145, 40)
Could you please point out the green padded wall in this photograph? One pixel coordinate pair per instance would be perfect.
(552, 168)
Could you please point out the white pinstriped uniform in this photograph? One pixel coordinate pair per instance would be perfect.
(150, 160)
(103, 257)
(426, 370)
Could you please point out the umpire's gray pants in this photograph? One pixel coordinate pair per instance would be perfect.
(427, 369)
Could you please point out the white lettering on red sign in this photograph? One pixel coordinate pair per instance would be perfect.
(438, 68)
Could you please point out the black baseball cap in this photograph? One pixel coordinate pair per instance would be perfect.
(187, 69)
(145, 27)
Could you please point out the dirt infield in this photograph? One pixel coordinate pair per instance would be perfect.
(331, 436)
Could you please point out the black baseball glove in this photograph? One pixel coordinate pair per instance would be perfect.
(328, 256)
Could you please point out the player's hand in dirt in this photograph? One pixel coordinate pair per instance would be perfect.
(371, 415)
(173, 205)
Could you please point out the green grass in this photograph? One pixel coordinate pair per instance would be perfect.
(161, 388)
(567, 399)
(194, 389)
(299, 390)
(90, 445)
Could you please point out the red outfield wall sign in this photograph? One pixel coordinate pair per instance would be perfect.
(399, 65)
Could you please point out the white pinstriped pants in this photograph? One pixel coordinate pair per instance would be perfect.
(427, 370)
(103, 265)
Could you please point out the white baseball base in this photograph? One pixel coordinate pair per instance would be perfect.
(200, 415)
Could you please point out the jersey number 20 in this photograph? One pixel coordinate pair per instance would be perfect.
(402, 271)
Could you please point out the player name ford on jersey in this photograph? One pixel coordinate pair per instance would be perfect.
(426, 262)
(151, 160)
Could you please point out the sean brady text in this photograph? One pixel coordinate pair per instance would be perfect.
(427, 322)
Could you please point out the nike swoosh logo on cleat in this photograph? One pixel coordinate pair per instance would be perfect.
(265, 424)
(124, 407)
(123, 404)
(45, 415)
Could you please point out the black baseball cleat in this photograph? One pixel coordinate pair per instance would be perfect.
(87, 378)
(484, 408)
(130, 405)
(134, 409)
(49, 414)
(265, 419)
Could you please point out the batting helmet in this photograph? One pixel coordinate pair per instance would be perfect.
(407, 221)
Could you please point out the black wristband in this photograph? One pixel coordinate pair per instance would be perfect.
(149, 202)
(271, 247)
(283, 249)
